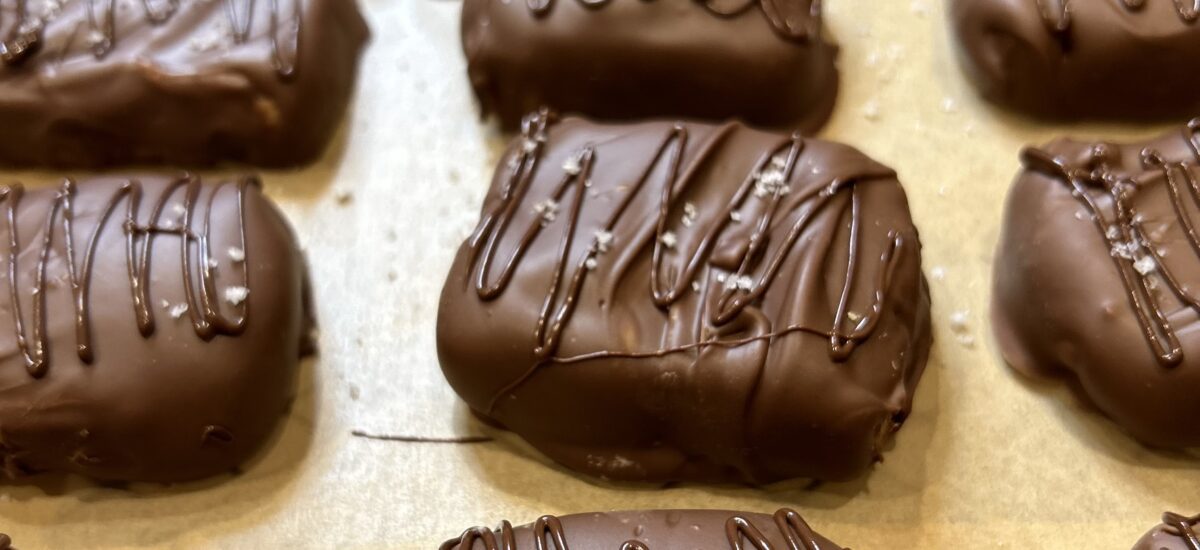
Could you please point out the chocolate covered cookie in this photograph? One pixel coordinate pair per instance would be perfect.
(683, 301)
(1175, 533)
(1068, 59)
(88, 83)
(763, 61)
(1097, 274)
(650, 530)
(152, 326)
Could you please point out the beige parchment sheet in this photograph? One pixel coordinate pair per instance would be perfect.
(987, 460)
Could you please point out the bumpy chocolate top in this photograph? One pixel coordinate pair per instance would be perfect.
(650, 530)
(664, 301)
(1064, 59)
(764, 61)
(153, 327)
(105, 82)
(1176, 533)
(1097, 276)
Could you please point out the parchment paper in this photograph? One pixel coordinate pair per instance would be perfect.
(986, 460)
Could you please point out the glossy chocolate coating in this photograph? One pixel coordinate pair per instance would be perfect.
(1070, 59)
(651, 530)
(710, 335)
(763, 61)
(149, 364)
(190, 83)
(1096, 278)
(1176, 532)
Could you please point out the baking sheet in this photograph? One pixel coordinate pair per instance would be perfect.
(987, 460)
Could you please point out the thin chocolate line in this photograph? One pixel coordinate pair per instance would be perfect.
(25, 37)
(1183, 527)
(420, 439)
(1125, 228)
(738, 530)
(1056, 14)
(204, 309)
(793, 19)
(772, 173)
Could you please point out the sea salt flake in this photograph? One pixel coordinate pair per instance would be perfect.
(590, 263)
(604, 239)
(235, 295)
(958, 320)
(177, 311)
(870, 110)
(547, 209)
(236, 254)
(736, 216)
(669, 239)
(573, 165)
(689, 214)
(1145, 265)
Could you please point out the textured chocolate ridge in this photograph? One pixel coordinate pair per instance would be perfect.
(802, 247)
(1175, 533)
(155, 327)
(1092, 59)
(793, 19)
(654, 530)
(91, 83)
(1121, 220)
(762, 61)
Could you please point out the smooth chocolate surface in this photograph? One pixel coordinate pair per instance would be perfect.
(682, 301)
(1097, 273)
(763, 61)
(151, 327)
(90, 83)
(1175, 533)
(1069, 59)
(650, 530)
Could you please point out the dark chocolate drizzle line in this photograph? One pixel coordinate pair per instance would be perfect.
(1095, 176)
(1057, 13)
(733, 300)
(25, 37)
(203, 308)
(738, 529)
(796, 20)
(1183, 527)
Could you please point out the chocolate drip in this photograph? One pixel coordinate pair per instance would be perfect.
(1183, 527)
(738, 529)
(768, 181)
(793, 19)
(797, 532)
(1124, 232)
(1057, 13)
(203, 307)
(545, 526)
(25, 36)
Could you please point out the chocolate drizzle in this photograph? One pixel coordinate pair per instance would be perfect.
(203, 306)
(1183, 527)
(1123, 231)
(1057, 13)
(100, 32)
(797, 20)
(739, 531)
(797, 532)
(768, 181)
